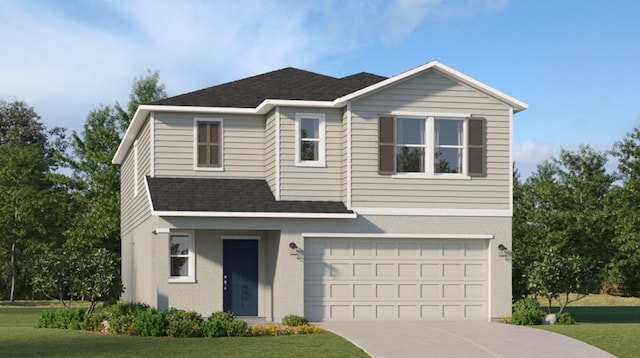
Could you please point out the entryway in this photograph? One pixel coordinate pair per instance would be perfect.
(240, 276)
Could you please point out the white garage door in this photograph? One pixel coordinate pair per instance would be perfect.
(347, 278)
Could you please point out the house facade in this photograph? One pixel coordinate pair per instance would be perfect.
(291, 192)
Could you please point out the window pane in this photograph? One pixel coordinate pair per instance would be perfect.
(214, 135)
(449, 132)
(449, 160)
(202, 132)
(179, 266)
(214, 155)
(410, 131)
(202, 155)
(309, 128)
(179, 245)
(410, 160)
(308, 150)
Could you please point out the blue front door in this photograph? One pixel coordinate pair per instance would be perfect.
(240, 277)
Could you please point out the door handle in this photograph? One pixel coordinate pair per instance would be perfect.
(224, 283)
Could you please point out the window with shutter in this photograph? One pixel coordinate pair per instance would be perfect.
(208, 138)
(405, 145)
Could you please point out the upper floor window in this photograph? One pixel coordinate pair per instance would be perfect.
(208, 143)
(310, 139)
(431, 145)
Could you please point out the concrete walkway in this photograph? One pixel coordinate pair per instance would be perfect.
(476, 339)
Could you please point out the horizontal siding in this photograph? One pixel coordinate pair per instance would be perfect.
(270, 151)
(312, 183)
(244, 146)
(134, 210)
(430, 93)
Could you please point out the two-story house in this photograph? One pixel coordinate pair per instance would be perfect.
(292, 192)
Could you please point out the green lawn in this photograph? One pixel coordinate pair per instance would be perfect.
(610, 323)
(20, 338)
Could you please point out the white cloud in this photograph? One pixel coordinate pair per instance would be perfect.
(529, 153)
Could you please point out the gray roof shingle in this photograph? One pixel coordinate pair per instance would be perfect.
(287, 83)
(229, 195)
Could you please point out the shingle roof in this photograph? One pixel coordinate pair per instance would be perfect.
(288, 83)
(228, 195)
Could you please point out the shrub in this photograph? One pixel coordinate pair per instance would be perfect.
(275, 329)
(293, 320)
(526, 312)
(565, 318)
(121, 316)
(93, 322)
(237, 328)
(62, 318)
(215, 328)
(222, 316)
(184, 324)
(150, 322)
(526, 317)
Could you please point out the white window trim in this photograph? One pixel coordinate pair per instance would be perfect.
(321, 162)
(430, 133)
(191, 278)
(197, 120)
(135, 169)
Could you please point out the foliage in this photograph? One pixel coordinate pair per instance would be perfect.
(293, 320)
(62, 318)
(557, 276)
(150, 322)
(67, 274)
(184, 324)
(526, 312)
(565, 318)
(222, 316)
(275, 329)
(215, 328)
(237, 328)
(94, 322)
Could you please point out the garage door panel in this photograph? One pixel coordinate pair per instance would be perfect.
(395, 279)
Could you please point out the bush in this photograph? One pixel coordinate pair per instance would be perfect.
(93, 322)
(150, 322)
(526, 312)
(237, 328)
(62, 318)
(215, 328)
(184, 324)
(293, 320)
(222, 316)
(275, 329)
(565, 318)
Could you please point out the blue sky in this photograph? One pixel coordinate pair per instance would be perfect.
(575, 62)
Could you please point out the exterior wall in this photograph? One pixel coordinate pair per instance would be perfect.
(270, 151)
(135, 209)
(430, 93)
(285, 272)
(311, 183)
(244, 146)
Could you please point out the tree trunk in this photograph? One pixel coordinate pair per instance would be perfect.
(14, 269)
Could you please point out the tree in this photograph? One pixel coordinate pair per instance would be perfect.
(67, 274)
(24, 189)
(557, 276)
(624, 266)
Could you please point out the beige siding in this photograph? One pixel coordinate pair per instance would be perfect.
(312, 183)
(244, 146)
(430, 93)
(135, 209)
(270, 151)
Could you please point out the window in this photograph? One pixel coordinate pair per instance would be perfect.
(181, 258)
(208, 143)
(454, 144)
(310, 139)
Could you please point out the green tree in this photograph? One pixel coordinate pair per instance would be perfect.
(556, 276)
(624, 266)
(24, 196)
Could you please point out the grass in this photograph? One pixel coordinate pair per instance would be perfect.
(20, 338)
(610, 323)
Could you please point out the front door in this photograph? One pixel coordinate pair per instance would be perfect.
(240, 277)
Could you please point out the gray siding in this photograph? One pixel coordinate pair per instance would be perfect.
(430, 93)
(270, 151)
(244, 146)
(312, 183)
(135, 209)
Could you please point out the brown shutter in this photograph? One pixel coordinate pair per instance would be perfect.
(386, 145)
(476, 147)
(208, 144)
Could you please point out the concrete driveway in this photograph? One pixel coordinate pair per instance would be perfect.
(476, 339)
